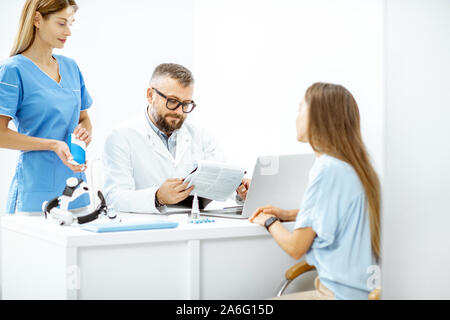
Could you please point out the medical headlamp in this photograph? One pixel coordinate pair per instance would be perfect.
(57, 208)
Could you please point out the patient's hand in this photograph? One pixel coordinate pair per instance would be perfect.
(283, 215)
(173, 191)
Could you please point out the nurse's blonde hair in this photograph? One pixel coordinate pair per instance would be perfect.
(334, 129)
(27, 31)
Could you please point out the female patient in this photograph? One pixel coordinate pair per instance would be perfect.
(337, 225)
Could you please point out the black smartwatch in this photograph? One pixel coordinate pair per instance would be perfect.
(270, 221)
(157, 203)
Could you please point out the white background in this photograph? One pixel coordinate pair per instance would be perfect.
(252, 60)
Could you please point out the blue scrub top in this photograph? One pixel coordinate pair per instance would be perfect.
(41, 107)
(335, 207)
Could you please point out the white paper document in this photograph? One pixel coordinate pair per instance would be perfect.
(214, 180)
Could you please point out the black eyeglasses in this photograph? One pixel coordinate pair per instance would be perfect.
(173, 104)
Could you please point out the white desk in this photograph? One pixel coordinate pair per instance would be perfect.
(227, 259)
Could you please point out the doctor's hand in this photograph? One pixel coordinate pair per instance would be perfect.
(283, 215)
(63, 152)
(243, 188)
(173, 191)
(82, 134)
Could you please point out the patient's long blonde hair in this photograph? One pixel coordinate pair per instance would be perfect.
(334, 129)
(27, 31)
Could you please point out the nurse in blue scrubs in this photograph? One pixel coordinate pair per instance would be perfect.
(45, 96)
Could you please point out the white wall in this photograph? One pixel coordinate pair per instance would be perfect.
(118, 46)
(10, 13)
(255, 59)
(416, 211)
(252, 61)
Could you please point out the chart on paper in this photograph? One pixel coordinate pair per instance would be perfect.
(214, 180)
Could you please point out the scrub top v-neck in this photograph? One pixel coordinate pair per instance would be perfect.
(41, 107)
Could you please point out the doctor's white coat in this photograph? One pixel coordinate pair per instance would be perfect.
(136, 162)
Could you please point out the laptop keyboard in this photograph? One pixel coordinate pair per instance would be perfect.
(224, 211)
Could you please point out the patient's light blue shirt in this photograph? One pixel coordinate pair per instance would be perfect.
(335, 207)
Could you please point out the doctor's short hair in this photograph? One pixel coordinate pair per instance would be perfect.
(174, 71)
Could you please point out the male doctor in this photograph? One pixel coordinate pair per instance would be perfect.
(146, 159)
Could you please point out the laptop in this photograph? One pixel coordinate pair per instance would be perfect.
(280, 181)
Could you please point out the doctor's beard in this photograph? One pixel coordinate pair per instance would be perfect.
(166, 126)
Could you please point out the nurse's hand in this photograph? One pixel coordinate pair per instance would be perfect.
(173, 191)
(62, 150)
(82, 134)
